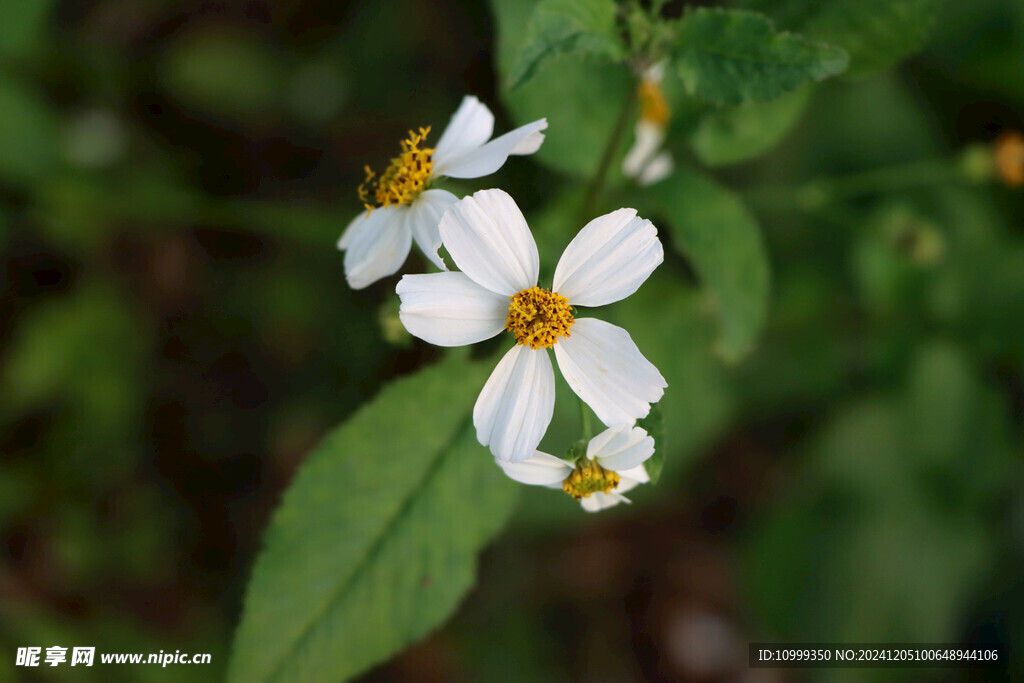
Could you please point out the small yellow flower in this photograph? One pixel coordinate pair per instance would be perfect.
(614, 464)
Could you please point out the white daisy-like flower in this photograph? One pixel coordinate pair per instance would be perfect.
(487, 237)
(612, 466)
(400, 206)
(645, 161)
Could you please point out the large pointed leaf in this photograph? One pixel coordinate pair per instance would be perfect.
(733, 56)
(577, 27)
(376, 540)
(714, 230)
(729, 135)
(580, 98)
(875, 33)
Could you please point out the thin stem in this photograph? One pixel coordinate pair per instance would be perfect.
(597, 182)
(812, 196)
(588, 427)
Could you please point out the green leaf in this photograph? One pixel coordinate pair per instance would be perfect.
(575, 27)
(859, 546)
(375, 541)
(224, 72)
(84, 349)
(733, 56)
(730, 135)
(82, 355)
(713, 229)
(24, 25)
(942, 402)
(28, 134)
(581, 99)
(876, 33)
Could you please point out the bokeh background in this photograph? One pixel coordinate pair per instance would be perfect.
(176, 334)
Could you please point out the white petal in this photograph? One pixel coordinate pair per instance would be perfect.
(360, 224)
(605, 369)
(377, 247)
(470, 127)
(621, 448)
(657, 169)
(602, 501)
(608, 259)
(449, 309)
(632, 478)
(530, 144)
(350, 230)
(425, 219)
(540, 469)
(490, 242)
(647, 142)
(485, 160)
(515, 406)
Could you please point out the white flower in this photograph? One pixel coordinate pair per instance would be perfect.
(401, 207)
(614, 465)
(487, 237)
(645, 161)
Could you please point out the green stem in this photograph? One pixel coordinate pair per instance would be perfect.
(588, 428)
(597, 182)
(813, 195)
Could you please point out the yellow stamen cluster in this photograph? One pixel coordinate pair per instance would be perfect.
(404, 178)
(653, 106)
(1009, 154)
(589, 478)
(538, 317)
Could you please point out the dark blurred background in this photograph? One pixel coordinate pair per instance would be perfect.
(177, 334)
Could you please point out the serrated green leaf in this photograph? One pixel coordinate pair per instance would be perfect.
(375, 541)
(734, 56)
(580, 99)
(734, 134)
(713, 229)
(875, 33)
(567, 27)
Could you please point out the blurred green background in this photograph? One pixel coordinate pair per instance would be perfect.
(177, 334)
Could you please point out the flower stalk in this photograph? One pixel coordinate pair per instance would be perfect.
(597, 182)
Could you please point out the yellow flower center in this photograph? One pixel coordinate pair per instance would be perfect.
(538, 317)
(589, 478)
(404, 178)
(653, 106)
(1009, 156)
